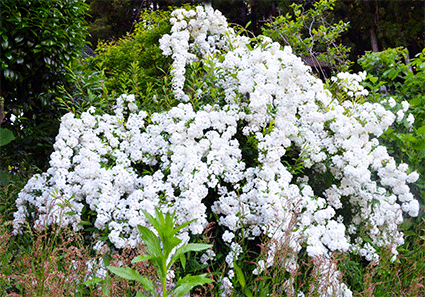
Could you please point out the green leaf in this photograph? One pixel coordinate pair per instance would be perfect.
(93, 281)
(141, 258)
(191, 247)
(183, 260)
(248, 293)
(6, 136)
(131, 274)
(373, 79)
(239, 275)
(140, 294)
(421, 154)
(152, 220)
(168, 243)
(151, 241)
(421, 130)
(187, 283)
(177, 229)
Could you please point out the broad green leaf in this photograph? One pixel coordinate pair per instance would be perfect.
(141, 258)
(373, 79)
(191, 247)
(187, 283)
(6, 136)
(131, 274)
(151, 241)
(170, 243)
(125, 272)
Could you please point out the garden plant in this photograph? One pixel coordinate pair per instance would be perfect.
(284, 181)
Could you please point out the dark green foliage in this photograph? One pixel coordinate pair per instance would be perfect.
(385, 23)
(38, 38)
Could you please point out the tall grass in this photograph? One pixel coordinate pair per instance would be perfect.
(60, 262)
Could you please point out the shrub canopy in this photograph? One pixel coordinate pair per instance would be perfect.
(254, 144)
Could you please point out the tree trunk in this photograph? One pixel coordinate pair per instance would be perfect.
(374, 40)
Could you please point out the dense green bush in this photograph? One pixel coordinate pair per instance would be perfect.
(38, 39)
(133, 64)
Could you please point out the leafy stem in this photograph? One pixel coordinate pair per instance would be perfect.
(160, 254)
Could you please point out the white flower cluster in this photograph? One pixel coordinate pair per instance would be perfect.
(350, 83)
(402, 110)
(120, 164)
(209, 30)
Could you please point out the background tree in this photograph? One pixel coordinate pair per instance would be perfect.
(312, 36)
(378, 25)
(38, 39)
(113, 19)
(110, 20)
(374, 25)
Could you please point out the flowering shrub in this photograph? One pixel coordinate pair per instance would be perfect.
(393, 82)
(256, 143)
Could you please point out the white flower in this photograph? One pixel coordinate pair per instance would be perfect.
(400, 115)
(392, 102)
(410, 120)
(170, 275)
(405, 105)
(260, 268)
(412, 177)
(226, 286)
(228, 236)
